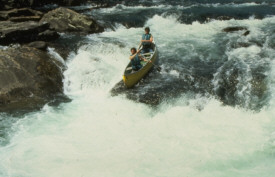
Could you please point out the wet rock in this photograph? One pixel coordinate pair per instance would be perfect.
(48, 35)
(23, 19)
(63, 50)
(29, 77)
(150, 97)
(241, 44)
(259, 86)
(24, 32)
(3, 16)
(38, 45)
(20, 32)
(1, 4)
(246, 44)
(23, 14)
(8, 4)
(227, 87)
(66, 20)
(232, 91)
(224, 18)
(72, 2)
(58, 2)
(233, 29)
(246, 33)
(150, 93)
(64, 46)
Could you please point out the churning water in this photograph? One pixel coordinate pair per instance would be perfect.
(210, 110)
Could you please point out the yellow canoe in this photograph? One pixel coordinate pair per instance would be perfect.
(131, 77)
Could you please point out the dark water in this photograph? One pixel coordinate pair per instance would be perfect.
(185, 11)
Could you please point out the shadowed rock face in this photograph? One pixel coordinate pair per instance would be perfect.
(21, 26)
(36, 3)
(23, 32)
(8, 4)
(28, 77)
(66, 20)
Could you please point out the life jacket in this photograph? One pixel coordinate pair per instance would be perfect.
(136, 65)
(146, 37)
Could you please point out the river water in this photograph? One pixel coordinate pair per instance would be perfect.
(209, 112)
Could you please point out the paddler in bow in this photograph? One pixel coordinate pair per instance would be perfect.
(136, 58)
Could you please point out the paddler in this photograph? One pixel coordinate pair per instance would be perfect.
(146, 41)
(136, 58)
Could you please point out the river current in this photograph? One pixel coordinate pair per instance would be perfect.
(208, 113)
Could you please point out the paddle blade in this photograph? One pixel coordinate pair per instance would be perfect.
(158, 68)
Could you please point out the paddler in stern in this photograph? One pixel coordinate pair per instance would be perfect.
(146, 41)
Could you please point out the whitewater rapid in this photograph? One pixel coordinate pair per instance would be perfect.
(97, 134)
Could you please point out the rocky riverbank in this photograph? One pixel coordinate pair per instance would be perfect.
(9, 4)
(30, 76)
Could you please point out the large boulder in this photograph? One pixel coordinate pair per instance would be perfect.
(66, 20)
(24, 32)
(28, 77)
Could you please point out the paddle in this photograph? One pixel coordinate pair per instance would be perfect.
(140, 46)
(157, 67)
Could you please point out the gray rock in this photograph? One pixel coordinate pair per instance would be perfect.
(8, 4)
(73, 2)
(38, 45)
(246, 33)
(28, 77)
(66, 20)
(21, 14)
(23, 19)
(23, 32)
(234, 28)
(35, 3)
(224, 18)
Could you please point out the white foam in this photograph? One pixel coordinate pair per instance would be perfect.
(4, 47)
(103, 136)
(174, 73)
(56, 55)
(121, 8)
